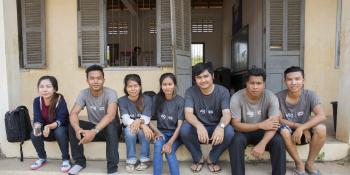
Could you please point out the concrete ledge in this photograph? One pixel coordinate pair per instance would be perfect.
(14, 167)
(332, 150)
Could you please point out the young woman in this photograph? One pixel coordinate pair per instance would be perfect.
(168, 108)
(50, 122)
(135, 111)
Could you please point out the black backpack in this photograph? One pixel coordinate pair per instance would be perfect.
(18, 126)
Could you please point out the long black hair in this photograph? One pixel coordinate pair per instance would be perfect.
(160, 97)
(140, 100)
(55, 96)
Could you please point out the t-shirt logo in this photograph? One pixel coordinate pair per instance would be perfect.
(93, 108)
(202, 111)
(163, 116)
(301, 113)
(210, 112)
(250, 113)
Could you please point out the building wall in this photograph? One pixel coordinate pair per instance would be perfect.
(252, 14)
(213, 41)
(320, 29)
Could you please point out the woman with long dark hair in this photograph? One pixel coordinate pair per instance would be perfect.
(168, 108)
(135, 111)
(50, 122)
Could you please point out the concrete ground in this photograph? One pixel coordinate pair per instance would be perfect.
(15, 167)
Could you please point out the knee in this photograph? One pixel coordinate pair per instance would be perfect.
(128, 134)
(33, 137)
(229, 132)
(158, 145)
(185, 131)
(60, 132)
(285, 133)
(320, 131)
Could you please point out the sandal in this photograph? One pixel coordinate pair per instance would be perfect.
(315, 172)
(212, 169)
(198, 166)
(298, 172)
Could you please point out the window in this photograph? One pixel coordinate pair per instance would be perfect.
(130, 38)
(118, 28)
(205, 26)
(31, 33)
(197, 53)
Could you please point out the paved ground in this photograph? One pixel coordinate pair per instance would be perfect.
(15, 167)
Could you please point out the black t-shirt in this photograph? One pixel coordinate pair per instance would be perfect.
(171, 111)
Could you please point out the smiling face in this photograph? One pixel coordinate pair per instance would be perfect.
(133, 89)
(294, 81)
(46, 89)
(95, 80)
(204, 80)
(255, 86)
(168, 86)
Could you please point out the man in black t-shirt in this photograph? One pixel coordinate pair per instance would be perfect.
(207, 114)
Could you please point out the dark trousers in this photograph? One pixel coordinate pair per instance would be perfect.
(110, 134)
(60, 134)
(275, 147)
(189, 137)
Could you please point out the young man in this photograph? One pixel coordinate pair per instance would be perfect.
(296, 104)
(207, 114)
(255, 113)
(101, 105)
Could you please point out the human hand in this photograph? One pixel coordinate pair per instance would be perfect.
(202, 133)
(269, 124)
(218, 136)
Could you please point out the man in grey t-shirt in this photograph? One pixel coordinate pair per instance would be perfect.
(296, 104)
(101, 105)
(255, 113)
(207, 117)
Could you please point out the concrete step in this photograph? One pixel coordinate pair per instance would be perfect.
(15, 167)
(332, 150)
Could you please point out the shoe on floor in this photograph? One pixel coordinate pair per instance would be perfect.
(65, 166)
(38, 164)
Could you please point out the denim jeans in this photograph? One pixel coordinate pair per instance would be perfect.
(130, 141)
(171, 158)
(60, 134)
(190, 139)
(110, 134)
(275, 147)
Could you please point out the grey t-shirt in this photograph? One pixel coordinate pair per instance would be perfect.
(127, 107)
(96, 106)
(301, 111)
(170, 112)
(255, 112)
(208, 108)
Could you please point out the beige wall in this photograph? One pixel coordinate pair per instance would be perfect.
(320, 28)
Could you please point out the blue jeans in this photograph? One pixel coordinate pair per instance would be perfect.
(130, 141)
(60, 134)
(171, 158)
(190, 139)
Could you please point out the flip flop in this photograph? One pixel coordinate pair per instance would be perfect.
(198, 166)
(212, 169)
(298, 172)
(315, 172)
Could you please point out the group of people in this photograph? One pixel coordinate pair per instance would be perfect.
(206, 115)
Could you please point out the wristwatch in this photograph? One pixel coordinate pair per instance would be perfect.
(222, 125)
(95, 130)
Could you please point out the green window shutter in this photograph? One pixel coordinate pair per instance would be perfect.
(276, 25)
(33, 33)
(91, 32)
(295, 23)
(164, 36)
